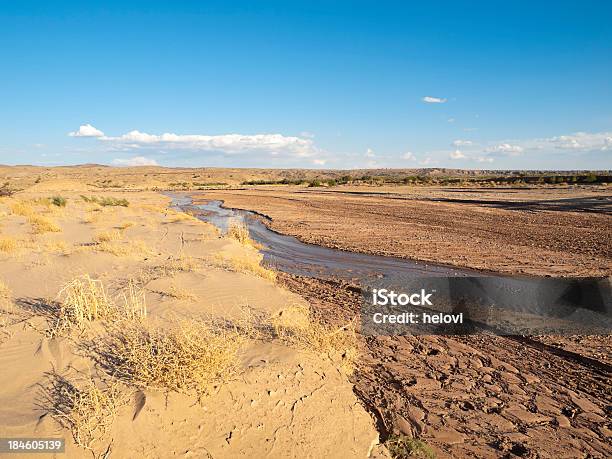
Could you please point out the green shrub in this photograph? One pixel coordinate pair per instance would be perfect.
(106, 201)
(58, 201)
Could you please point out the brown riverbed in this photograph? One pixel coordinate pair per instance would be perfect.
(542, 231)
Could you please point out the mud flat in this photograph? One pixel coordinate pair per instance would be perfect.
(555, 231)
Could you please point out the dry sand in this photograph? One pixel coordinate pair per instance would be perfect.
(284, 401)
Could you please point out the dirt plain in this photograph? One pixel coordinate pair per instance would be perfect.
(541, 231)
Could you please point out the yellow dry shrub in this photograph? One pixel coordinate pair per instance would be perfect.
(192, 355)
(22, 208)
(84, 408)
(295, 325)
(125, 225)
(124, 248)
(42, 224)
(107, 236)
(84, 300)
(5, 294)
(239, 231)
(244, 264)
(56, 247)
(9, 244)
(180, 293)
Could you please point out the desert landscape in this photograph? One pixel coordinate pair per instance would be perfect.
(134, 329)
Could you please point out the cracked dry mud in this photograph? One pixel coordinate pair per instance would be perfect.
(479, 396)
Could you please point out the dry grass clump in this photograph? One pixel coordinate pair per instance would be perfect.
(84, 300)
(182, 263)
(86, 409)
(106, 201)
(56, 247)
(295, 325)
(5, 295)
(107, 236)
(22, 208)
(180, 216)
(245, 264)
(190, 356)
(9, 244)
(180, 293)
(239, 231)
(134, 302)
(124, 248)
(42, 224)
(125, 225)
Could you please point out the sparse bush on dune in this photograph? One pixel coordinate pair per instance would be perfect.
(125, 225)
(244, 264)
(42, 224)
(239, 231)
(56, 246)
(84, 300)
(22, 208)
(106, 200)
(8, 244)
(191, 355)
(81, 301)
(5, 294)
(58, 201)
(295, 325)
(107, 236)
(85, 408)
(123, 248)
(179, 293)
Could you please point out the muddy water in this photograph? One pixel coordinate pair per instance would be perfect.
(288, 254)
(502, 304)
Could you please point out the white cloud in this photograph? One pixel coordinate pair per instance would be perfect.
(462, 143)
(507, 149)
(319, 162)
(428, 161)
(86, 130)
(228, 143)
(456, 155)
(484, 159)
(580, 141)
(433, 100)
(135, 161)
(409, 156)
(451, 120)
(369, 153)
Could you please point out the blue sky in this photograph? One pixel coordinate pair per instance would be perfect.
(492, 84)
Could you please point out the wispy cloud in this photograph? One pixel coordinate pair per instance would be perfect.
(506, 149)
(457, 154)
(135, 161)
(369, 153)
(462, 143)
(228, 143)
(86, 130)
(428, 161)
(433, 100)
(409, 156)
